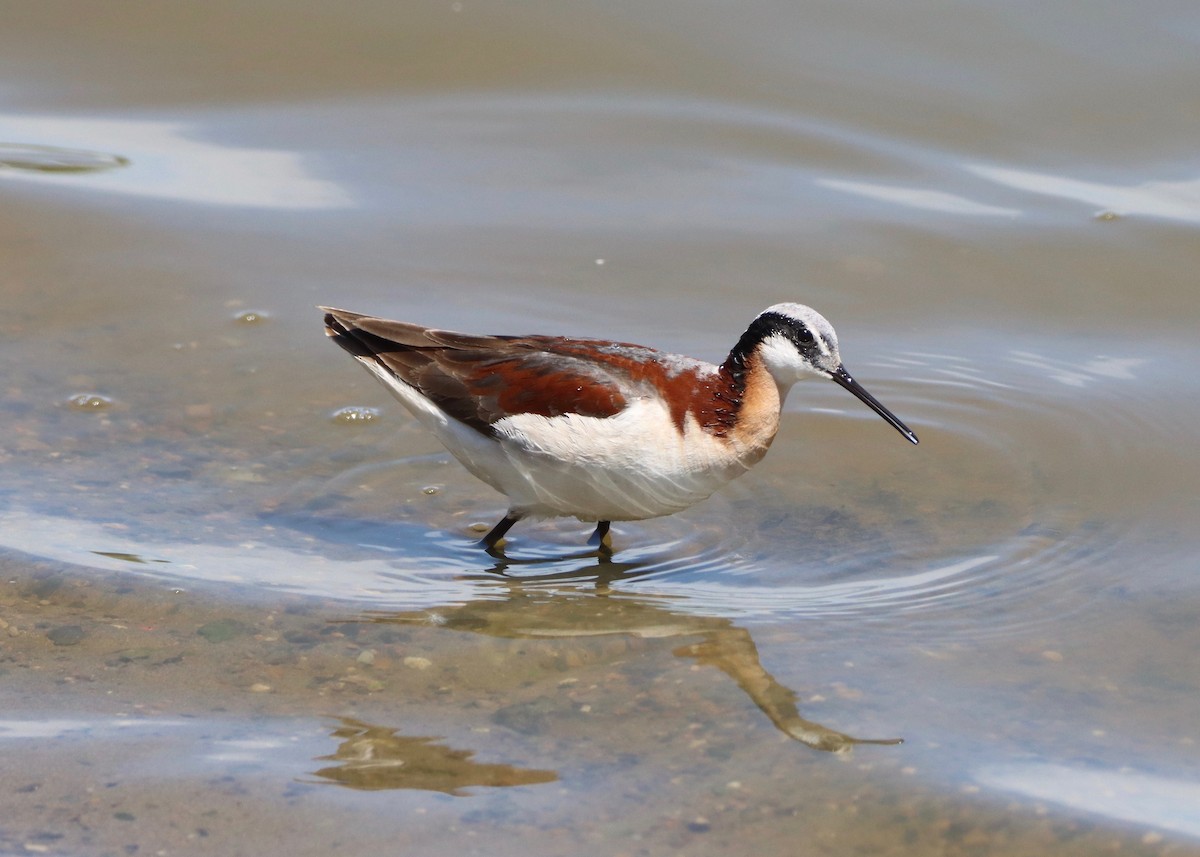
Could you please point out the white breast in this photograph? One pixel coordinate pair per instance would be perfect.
(626, 467)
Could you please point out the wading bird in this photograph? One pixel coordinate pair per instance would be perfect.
(602, 431)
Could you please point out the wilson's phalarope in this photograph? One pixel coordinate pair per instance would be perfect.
(602, 431)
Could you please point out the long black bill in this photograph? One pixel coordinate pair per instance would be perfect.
(842, 377)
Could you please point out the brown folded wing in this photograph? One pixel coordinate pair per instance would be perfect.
(481, 379)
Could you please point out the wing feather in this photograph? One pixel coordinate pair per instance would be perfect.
(479, 380)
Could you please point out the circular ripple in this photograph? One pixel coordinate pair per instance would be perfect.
(999, 522)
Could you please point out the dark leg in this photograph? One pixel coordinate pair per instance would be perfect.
(497, 532)
(600, 536)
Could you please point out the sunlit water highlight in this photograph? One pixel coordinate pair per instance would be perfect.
(170, 159)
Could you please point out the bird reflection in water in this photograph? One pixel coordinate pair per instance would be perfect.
(521, 607)
(374, 758)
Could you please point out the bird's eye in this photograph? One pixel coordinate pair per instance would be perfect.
(804, 335)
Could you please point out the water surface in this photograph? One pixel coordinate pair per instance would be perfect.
(234, 619)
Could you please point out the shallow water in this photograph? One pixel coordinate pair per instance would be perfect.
(234, 619)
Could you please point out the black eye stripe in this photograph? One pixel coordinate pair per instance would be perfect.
(792, 328)
(775, 324)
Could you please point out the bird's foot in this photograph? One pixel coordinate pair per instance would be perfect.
(493, 542)
(601, 538)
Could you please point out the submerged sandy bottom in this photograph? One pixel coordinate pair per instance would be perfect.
(145, 719)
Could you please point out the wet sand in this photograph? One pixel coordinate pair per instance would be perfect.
(147, 719)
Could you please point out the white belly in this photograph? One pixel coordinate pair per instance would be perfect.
(626, 467)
